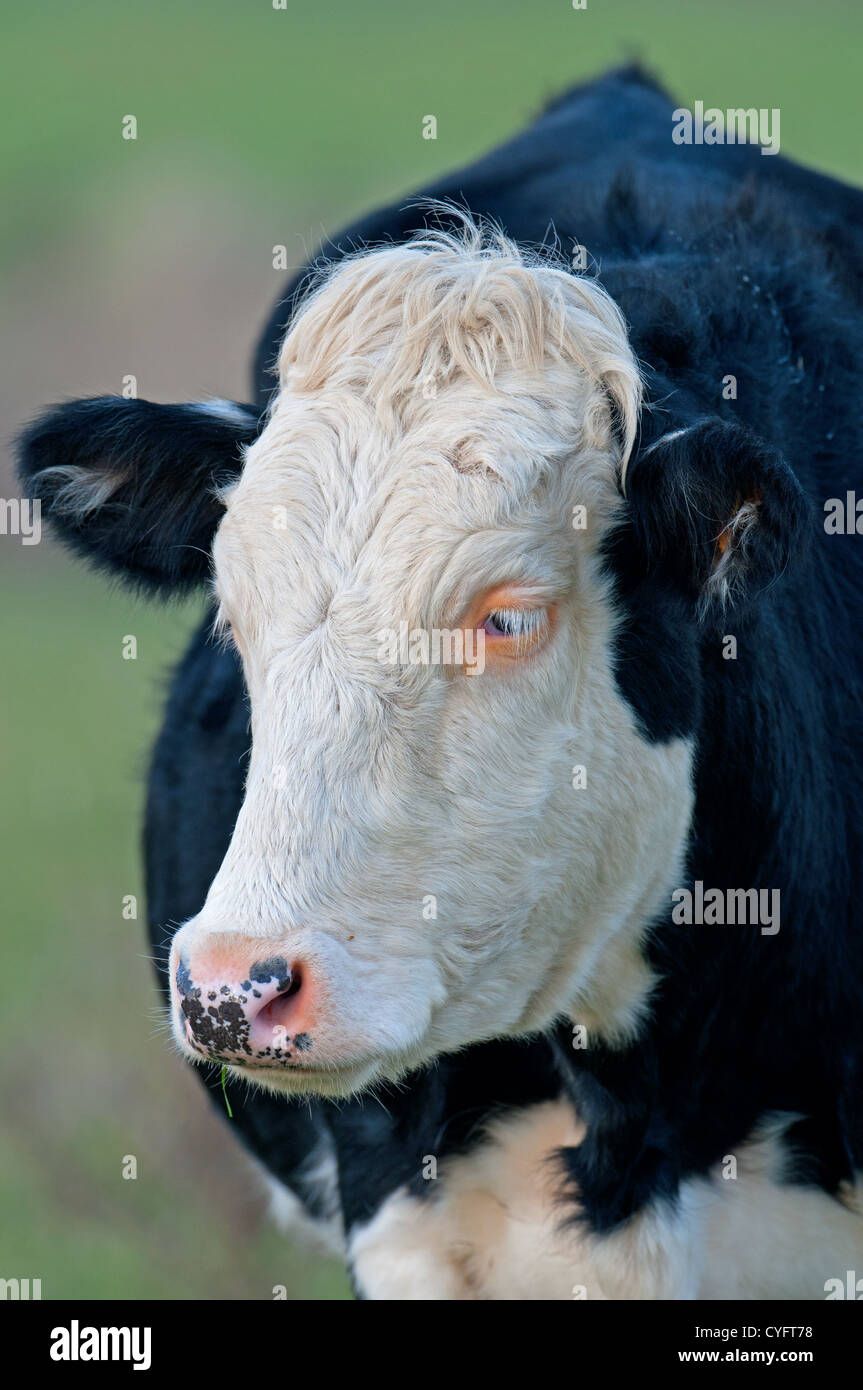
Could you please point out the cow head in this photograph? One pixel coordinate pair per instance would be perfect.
(456, 824)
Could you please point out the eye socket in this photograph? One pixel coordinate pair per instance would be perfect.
(513, 622)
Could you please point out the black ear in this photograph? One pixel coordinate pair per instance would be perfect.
(718, 510)
(134, 486)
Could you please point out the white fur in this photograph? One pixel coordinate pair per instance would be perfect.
(736, 537)
(221, 409)
(81, 490)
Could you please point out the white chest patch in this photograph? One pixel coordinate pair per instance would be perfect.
(493, 1230)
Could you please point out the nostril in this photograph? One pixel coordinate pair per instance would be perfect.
(294, 986)
(276, 1013)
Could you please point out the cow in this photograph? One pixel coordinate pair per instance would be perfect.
(533, 969)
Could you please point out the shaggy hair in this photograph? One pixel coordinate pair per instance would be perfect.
(469, 304)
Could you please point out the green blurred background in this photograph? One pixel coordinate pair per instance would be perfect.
(256, 127)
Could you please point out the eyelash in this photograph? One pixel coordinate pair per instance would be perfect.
(520, 625)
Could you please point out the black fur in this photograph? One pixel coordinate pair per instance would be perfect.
(164, 464)
(725, 262)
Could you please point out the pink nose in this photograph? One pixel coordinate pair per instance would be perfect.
(251, 1014)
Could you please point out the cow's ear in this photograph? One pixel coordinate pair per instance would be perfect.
(718, 510)
(134, 486)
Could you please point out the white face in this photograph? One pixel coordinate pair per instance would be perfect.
(412, 850)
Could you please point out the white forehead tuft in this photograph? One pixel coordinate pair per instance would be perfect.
(400, 324)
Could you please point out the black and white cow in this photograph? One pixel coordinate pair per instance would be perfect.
(541, 949)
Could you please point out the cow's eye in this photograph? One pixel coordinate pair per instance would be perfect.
(519, 629)
(515, 621)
